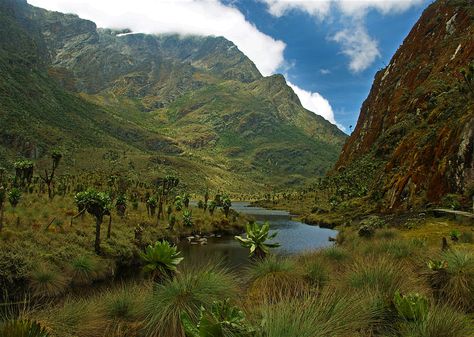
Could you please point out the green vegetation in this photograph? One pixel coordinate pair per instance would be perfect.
(147, 138)
(384, 285)
(193, 118)
(256, 239)
(161, 260)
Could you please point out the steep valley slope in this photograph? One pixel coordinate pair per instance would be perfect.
(415, 134)
(151, 105)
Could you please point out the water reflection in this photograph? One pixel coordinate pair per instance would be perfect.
(293, 236)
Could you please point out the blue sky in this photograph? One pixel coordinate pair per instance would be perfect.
(328, 50)
(315, 61)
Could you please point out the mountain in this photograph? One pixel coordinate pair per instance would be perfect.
(157, 104)
(416, 127)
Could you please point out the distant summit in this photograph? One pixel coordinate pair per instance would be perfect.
(192, 106)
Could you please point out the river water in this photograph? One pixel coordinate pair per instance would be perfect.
(294, 237)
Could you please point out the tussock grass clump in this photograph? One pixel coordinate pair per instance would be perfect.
(74, 317)
(272, 279)
(84, 270)
(122, 307)
(441, 321)
(329, 314)
(123, 302)
(22, 328)
(47, 282)
(455, 282)
(272, 264)
(186, 293)
(380, 274)
(386, 234)
(400, 249)
(317, 273)
(336, 254)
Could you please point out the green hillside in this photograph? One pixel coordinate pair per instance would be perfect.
(192, 106)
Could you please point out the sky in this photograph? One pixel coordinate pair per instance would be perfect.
(328, 50)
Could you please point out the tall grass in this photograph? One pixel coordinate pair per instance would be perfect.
(441, 321)
(83, 270)
(380, 274)
(47, 282)
(122, 307)
(329, 314)
(74, 317)
(274, 278)
(187, 292)
(456, 281)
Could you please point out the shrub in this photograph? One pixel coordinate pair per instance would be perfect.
(161, 260)
(412, 307)
(366, 231)
(440, 321)
(187, 218)
(452, 201)
(14, 197)
(221, 320)
(455, 235)
(256, 240)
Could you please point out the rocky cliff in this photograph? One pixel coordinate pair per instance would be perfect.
(418, 120)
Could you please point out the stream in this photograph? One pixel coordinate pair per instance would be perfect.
(294, 237)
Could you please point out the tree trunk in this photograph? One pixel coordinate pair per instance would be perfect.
(98, 222)
(109, 229)
(1, 218)
(50, 192)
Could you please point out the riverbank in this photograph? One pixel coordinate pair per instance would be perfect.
(39, 245)
(367, 285)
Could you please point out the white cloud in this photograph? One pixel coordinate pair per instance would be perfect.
(313, 101)
(359, 8)
(355, 41)
(199, 17)
(322, 8)
(324, 71)
(361, 49)
(316, 8)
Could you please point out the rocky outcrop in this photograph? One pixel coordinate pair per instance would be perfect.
(419, 115)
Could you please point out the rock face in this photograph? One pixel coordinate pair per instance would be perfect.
(419, 116)
(192, 106)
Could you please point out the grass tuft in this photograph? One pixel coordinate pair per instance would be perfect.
(326, 315)
(187, 292)
(46, 282)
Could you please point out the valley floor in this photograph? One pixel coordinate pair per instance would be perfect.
(385, 276)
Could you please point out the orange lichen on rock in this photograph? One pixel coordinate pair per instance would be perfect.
(416, 118)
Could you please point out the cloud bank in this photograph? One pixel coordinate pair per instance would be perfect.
(316, 103)
(361, 49)
(198, 17)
